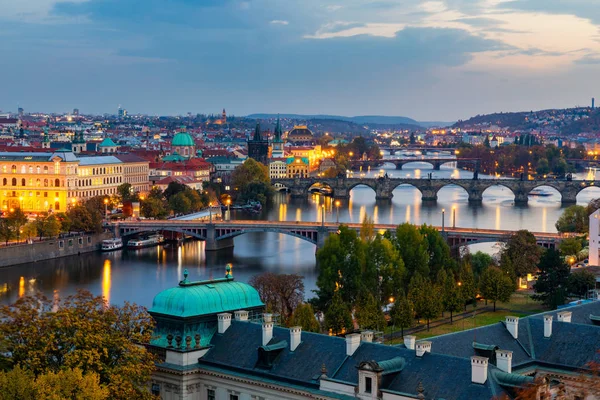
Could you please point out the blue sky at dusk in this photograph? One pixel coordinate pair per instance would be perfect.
(429, 60)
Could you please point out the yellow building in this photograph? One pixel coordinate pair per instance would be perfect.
(298, 167)
(37, 181)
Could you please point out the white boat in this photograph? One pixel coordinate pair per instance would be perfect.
(149, 241)
(112, 244)
(539, 192)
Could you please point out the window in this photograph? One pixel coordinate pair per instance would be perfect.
(80, 240)
(23, 169)
(13, 169)
(233, 397)
(156, 389)
(210, 394)
(4, 182)
(70, 242)
(37, 169)
(61, 244)
(23, 182)
(368, 385)
(45, 170)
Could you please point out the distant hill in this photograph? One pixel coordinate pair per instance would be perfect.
(363, 119)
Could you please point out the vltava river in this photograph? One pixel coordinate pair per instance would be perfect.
(137, 276)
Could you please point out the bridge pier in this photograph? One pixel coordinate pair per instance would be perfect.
(322, 235)
(212, 244)
(475, 196)
(569, 197)
(341, 193)
(383, 194)
(521, 198)
(437, 166)
(429, 195)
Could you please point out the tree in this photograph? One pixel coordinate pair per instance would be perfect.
(304, 316)
(6, 230)
(154, 207)
(452, 300)
(467, 286)
(83, 219)
(47, 225)
(573, 219)
(16, 220)
(281, 293)
(180, 203)
(368, 313)
(338, 318)
(384, 270)
(252, 172)
(570, 246)
(480, 261)
(29, 230)
(520, 255)
(486, 142)
(413, 249)
(543, 167)
(402, 313)
(173, 189)
(412, 138)
(426, 297)
(551, 285)
(580, 282)
(438, 250)
(65, 222)
(81, 331)
(125, 192)
(496, 285)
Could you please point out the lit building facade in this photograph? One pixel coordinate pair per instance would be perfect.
(38, 182)
(278, 169)
(297, 167)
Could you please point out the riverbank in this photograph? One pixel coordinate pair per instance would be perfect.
(25, 253)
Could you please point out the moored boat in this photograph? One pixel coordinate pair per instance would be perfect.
(112, 244)
(148, 241)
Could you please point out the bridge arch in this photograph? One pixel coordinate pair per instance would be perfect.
(196, 233)
(451, 184)
(403, 164)
(280, 187)
(587, 196)
(309, 235)
(555, 189)
(497, 185)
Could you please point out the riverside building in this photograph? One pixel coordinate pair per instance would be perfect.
(52, 181)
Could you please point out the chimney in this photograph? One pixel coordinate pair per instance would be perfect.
(479, 369)
(547, 325)
(409, 341)
(423, 347)
(267, 329)
(512, 325)
(224, 322)
(504, 360)
(295, 337)
(366, 336)
(564, 316)
(241, 315)
(352, 343)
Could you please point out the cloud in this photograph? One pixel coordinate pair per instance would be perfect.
(588, 60)
(279, 22)
(588, 9)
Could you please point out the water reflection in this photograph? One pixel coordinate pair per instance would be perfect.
(106, 280)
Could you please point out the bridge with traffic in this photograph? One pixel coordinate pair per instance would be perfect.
(436, 163)
(429, 188)
(219, 234)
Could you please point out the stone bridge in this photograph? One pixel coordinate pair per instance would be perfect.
(436, 163)
(219, 234)
(424, 150)
(429, 188)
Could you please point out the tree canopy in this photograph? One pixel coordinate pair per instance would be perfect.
(551, 285)
(573, 219)
(495, 285)
(520, 255)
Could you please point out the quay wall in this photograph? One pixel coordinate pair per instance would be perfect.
(51, 248)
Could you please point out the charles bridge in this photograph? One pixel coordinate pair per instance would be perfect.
(219, 234)
(429, 188)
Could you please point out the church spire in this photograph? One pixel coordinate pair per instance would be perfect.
(278, 132)
(257, 135)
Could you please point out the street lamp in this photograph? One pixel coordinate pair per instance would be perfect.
(453, 217)
(106, 209)
(443, 218)
(322, 214)
(210, 212)
(228, 210)
(337, 209)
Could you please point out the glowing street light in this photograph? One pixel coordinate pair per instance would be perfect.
(453, 217)
(443, 218)
(106, 209)
(337, 209)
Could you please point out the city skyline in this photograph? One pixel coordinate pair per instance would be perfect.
(434, 60)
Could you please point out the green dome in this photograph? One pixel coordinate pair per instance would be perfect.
(192, 299)
(108, 142)
(182, 139)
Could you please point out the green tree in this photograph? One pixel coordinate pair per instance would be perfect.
(480, 261)
(495, 285)
(70, 384)
(467, 286)
(570, 246)
(81, 331)
(154, 208)
(573, 219)
(282, 293)
(580, 282)
(16, 220)
(338, 318)
(486, 142)
(413, 248)
(65, 222)
(543, 167)
(173, 189)
(520, 255)
(384, 270)
(251, 181)
(125, 192)
(47, 225)
(180, 203)
(18, 384)
(340, 263)
(412, 138)
(368, 313)
(426, 297)
(83, 219)
(29, 230)
(438, 250)
(451, 296)
(402, 313)
(551, 285)
(6, 230)
(304, 316)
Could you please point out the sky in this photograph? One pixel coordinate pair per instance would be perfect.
(428, 60)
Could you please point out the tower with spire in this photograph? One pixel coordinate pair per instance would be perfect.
(277, 150)
(258, 147)
(224, 117)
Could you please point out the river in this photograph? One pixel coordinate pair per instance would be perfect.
(137, 276)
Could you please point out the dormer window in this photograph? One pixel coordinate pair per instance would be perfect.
(368, 384)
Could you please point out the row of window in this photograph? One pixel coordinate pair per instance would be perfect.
(38, 182)
(24, 169)
(132, 170)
